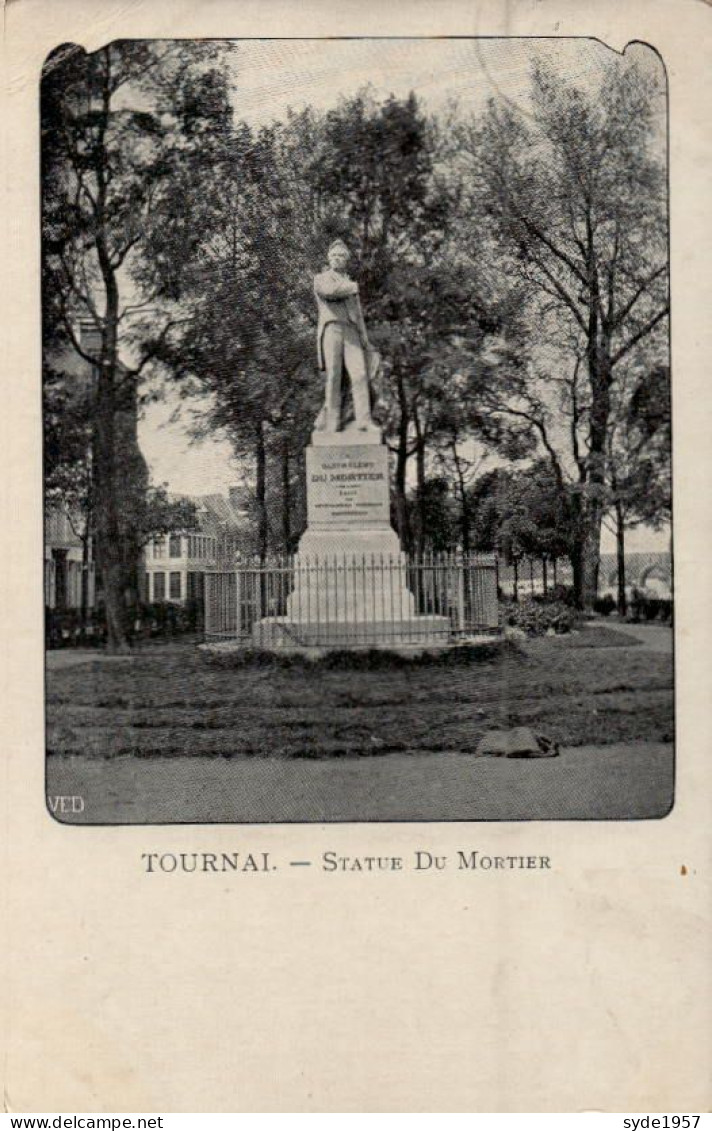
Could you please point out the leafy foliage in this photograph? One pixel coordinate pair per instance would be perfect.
(574, 198)
(538, 618)
(116, 127)
(513, 270)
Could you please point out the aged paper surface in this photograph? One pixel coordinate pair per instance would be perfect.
(584, 987)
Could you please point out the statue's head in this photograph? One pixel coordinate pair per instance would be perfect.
(338, 255)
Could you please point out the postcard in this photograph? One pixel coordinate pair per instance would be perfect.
(355, 696)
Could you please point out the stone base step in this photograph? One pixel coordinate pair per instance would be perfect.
(281, 632)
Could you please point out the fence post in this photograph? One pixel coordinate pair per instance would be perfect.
(491, 605)
(459, 587)
(208, 597)
(460, 576)
(238, 603)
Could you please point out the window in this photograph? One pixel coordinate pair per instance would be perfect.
(175, 587)
(159, 586)
(174, 546)
(159, 547)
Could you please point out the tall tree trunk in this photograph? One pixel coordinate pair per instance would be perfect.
(591, 557)
(462, 493)
(261, 489)
(106, 511)
(620, 559)
(577, 554)
(576, 558)
(555, 572)
(286, 498)
(465, 527)
(599, 372)
(515, 590)
(106, 517)
(420, 488)
(544, 576)
(84, 598)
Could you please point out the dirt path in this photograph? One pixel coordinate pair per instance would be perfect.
(653, 637)
(587, 782)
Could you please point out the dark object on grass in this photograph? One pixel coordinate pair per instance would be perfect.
(518, 742)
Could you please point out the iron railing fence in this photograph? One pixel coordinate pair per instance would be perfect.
(351, 601)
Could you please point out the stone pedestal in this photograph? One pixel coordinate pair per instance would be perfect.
(350, 579)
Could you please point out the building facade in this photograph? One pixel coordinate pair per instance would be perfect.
(175, 563)
(69, 581)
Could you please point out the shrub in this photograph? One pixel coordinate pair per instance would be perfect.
(161, 618)
(536, 618)
(559, 594)
(64, 628)
(605, 605)
(371, 659)
(643, 607)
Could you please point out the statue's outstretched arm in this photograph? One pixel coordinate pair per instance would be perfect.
(327, 287)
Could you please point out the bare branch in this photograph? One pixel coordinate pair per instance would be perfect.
(118, 258)
(131, 375)
(560, 291)
(612, 275)
(640, 334)
(556, 251)
(134, 308)
(82, 296)
(539, 425)
(84, 191)
(575, 419)
(625, 311)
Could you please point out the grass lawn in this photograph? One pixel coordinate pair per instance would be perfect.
(169, 701)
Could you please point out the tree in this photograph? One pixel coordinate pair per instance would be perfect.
(249, 337)
(649, 419)
(639, 457)
(163, 514)
(522, 514)
(245, 337)
(68, 478)
(245, 291)
(482, 509)
(374, 172)
(433, 513)
(114, 126)
(548, 518)
(575, 200)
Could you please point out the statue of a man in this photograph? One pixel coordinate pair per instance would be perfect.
(342, 342)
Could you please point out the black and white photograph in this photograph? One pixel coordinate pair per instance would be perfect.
(357, 439)
(356, 446)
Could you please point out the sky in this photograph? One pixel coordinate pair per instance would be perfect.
(272, 76)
